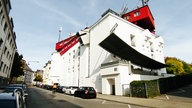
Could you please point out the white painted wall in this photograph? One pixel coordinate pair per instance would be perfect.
(85, 69)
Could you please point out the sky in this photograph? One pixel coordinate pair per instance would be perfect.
(37, 23)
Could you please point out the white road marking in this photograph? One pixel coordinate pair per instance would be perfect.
(129, 106)
(103, 101)
(167, 97)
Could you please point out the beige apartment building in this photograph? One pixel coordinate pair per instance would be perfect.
(7, 41)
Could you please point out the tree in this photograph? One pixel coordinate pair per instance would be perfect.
(38, 78)
(17, 67)
(187, 67)
(175, 66)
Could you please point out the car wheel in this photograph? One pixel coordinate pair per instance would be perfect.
(84, 96)
(75, 95)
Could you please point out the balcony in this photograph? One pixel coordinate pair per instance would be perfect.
(112, 68)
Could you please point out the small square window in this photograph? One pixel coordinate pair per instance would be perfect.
(136, 14)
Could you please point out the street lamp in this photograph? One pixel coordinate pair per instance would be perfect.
(32, 61)
(60, 29)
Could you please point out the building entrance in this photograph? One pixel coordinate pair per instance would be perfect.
(112, 86)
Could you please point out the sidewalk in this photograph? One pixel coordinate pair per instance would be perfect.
(151, 102)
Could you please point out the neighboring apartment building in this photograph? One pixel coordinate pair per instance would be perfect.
(111, 53)
(46, 71)
(7, 41)
(28, 74)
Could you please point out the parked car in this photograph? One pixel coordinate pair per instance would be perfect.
(64, 89)
(71, 90)
(85, 92)
(11, 100)
(24, 86)
(19, 90)
(60, 89)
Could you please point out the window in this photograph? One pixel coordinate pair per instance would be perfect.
(115, 69)
(4, 67)
(1, 65)
(160, 45)
(136, 14)
(1, 42)
(7, 69)
(11, 42)
(151, 47)
(132, 40)
(3, 18)
(127, 17)
(147, 39)
(5, 50)
(1, 13)
(8, 37)
(7, 54)
(5, 27)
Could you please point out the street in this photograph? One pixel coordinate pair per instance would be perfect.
(41, 98)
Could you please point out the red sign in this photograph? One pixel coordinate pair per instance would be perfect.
(65, 45)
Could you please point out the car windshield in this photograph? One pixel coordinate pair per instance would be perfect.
(8, 104)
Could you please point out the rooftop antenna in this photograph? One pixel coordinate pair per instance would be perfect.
(60, 29)
(124, 10)
(145, 2)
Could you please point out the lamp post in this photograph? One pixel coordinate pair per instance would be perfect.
(60, 29)
(32, 61)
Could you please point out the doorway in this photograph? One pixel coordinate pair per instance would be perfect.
(112, 86)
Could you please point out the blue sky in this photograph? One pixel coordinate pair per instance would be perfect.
(37, 24)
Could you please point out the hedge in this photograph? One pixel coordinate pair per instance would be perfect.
(152, 88)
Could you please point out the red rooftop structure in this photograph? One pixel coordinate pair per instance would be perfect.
(142, 17)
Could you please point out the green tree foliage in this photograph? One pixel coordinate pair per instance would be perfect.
(38, 78)
(177, 67)
(187, 67)
(17, 67)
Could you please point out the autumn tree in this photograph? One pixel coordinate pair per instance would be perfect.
(38, 78)
(187, 67)
(17, 67)
(175, 66)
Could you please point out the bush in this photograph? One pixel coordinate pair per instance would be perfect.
(144, 89)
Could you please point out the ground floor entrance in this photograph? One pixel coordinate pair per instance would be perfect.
(111, 85)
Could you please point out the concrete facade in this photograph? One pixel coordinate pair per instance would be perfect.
(7, 41)
(46, 71)
(88, 64)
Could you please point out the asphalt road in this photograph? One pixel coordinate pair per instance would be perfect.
(41, 98)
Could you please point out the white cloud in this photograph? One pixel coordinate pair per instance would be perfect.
(63, 14)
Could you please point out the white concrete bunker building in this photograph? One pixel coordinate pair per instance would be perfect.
(111, 53)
